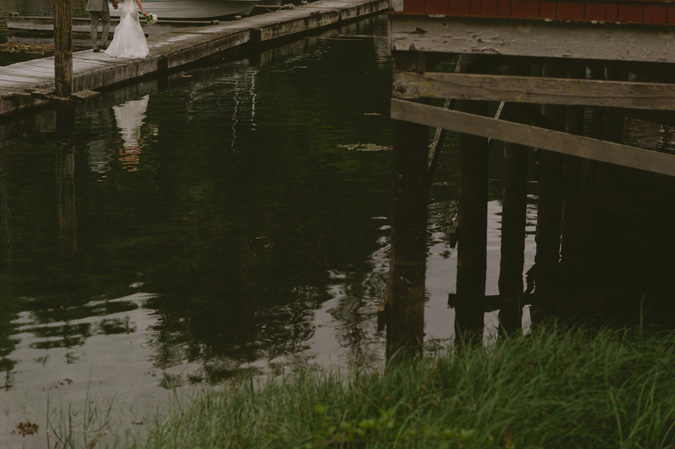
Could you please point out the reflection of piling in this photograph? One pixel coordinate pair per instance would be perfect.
(65, 178)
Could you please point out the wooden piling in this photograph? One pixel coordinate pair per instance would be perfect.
(63, 48)
(404, 298)
(472, 230)
(549, 215)
(404, 307)
(514, 216)
(573, 198)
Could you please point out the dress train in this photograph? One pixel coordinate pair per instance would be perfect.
(129, 38)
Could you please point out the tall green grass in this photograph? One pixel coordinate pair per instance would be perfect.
(551, 389)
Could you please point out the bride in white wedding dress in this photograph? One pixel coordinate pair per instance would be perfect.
(129, 38)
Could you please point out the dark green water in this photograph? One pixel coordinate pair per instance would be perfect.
(231, 217)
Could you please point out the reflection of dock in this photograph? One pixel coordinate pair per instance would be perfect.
(29, 84)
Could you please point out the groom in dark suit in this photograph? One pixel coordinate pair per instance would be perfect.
(99, 11)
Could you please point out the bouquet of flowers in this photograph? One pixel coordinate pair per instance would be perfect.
(151, 18)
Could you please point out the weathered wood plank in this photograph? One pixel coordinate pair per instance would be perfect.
(20, 80)
(81, 24)
(525, 89)
(37, 68)
(532, 38)
(96, 59)
(546, 139)
(24, 78)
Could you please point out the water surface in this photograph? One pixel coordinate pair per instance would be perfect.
(232, 216)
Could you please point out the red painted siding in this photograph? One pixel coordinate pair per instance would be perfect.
(595, 11)
(459, 7)
(570, 11)
(488, 8)
(651, 12)
(654, 13)
(436, 7)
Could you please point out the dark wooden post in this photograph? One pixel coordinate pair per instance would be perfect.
(514, 216)
(404, 299)
(549, 215)
(405, 308)
(472, 231)
(571, 227)
(63, 48)
(595, 130)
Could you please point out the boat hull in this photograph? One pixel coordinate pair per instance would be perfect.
(195, 9)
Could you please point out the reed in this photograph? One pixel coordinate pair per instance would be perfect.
(552, 389)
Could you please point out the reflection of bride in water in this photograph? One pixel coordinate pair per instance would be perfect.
(129, 117)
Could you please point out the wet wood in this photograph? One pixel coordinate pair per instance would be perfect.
(549, 216)
(573, 197)
(472, 226)
(491, 303)
(535, 137)
(437, 143)
(523, 89)
(514, 218)
(405, 293)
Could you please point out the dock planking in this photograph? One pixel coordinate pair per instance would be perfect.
(23, 85)
(81, 24)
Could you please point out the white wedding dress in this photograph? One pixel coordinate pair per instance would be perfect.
(129, 38)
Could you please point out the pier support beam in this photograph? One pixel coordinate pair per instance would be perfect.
(573, 198)
(472, 229)
(549, 215)
(514, 220)
(514, 209)
(63, 48)
(404, 296)
(404, 307)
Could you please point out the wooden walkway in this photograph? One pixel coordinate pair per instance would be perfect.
(28, 84)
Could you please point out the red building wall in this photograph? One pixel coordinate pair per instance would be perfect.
(656, 12)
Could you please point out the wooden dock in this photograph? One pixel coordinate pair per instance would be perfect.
(30, 84)
(80, 25)
(562, 77)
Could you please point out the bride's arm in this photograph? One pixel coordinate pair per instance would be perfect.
(140, 5)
